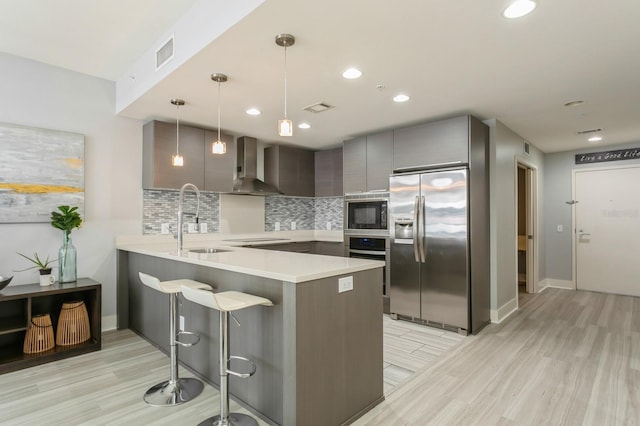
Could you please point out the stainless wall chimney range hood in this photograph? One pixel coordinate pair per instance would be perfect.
(247, 182)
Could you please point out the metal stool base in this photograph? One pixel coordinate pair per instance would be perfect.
(235, 419)
(170, 393)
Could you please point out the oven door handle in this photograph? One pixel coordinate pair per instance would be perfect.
(368, 252)
(416, 230)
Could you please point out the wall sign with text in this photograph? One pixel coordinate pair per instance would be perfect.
(616, 155)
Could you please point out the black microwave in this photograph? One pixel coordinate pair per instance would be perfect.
(366, 214)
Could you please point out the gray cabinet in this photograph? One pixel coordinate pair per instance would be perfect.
(432, 144)
(328, 173)
(290, 169)
(202, 168)
(159, 144)
(379, 160)
(219, 169)
(367, 162)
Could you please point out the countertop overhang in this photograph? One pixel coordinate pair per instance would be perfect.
(278, 265)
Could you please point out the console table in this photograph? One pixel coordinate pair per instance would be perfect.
(18, 304)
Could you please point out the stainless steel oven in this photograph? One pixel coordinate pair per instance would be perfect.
(374, 248)
(366, 213)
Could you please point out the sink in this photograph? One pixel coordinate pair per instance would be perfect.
(208, 250)
(256, 240)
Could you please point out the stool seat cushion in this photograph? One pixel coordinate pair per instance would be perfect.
(225, 301)
(172, 286)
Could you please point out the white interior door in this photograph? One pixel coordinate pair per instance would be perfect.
(608, 230)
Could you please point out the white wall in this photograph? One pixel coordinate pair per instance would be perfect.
(558, 175)
(39, 95)
(506, 148)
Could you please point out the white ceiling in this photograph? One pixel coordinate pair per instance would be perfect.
(451, 57)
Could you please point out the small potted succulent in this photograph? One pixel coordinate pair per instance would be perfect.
(43, 267)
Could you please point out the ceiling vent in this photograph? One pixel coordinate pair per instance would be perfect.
(165, 53)
(584, 132)
(318, 107)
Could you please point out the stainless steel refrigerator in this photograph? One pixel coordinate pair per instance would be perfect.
(431, 280)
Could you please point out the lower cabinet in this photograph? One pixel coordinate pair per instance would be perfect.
(20, 304)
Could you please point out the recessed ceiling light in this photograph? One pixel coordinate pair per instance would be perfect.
(304, 126)
(401, 98)
(574, 103)
(253, 111)
(352, 73)
(519, 8)
(595, 139)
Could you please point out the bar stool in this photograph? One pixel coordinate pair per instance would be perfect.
(225, 302)
(174, 391)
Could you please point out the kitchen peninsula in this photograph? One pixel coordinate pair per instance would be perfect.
(318, 350)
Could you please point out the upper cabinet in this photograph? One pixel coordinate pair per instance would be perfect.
(159, 144)
(207, 171)
(290, 169)
(439, 143)
(218, 169)
(368, 162)
(328, 171)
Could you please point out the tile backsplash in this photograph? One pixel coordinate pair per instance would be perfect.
(161, 206)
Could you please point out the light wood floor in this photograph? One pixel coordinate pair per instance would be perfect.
(564, 358)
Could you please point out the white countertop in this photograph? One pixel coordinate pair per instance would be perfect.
(277, 265)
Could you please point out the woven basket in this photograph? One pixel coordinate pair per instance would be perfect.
(73, 324)
(39, 337)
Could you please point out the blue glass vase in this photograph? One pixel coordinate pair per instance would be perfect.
(67, 260)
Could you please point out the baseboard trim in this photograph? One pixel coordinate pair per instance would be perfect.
(502, 313)
(109, 322)
(563, 284)
(541, 286)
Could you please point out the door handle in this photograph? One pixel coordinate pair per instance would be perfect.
(581, 234)
(416, 229)
(423, 235)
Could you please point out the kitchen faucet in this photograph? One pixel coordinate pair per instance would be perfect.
(181, 213)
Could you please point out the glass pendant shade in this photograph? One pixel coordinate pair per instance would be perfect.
(218, 147)
(285, 127)
(177, 160)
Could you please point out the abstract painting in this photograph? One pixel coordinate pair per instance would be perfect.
(40, 170)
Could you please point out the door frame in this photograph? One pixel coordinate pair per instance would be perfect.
(533, 255)
(574, 246)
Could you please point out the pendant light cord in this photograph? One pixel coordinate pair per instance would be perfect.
(177, 129)
(285, 81)
(219, 112)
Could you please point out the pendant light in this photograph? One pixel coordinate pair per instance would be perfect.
(285, 126)
(177, 160)
(218, 147)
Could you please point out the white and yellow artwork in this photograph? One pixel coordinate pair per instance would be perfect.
(40, 170)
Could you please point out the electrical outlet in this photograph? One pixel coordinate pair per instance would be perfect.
(191, 228)
(293, 226)
(329, 226)
(345, 284)
(164, 229)
(181, 323)
(203, 228)
(277, 226)
(559, 228)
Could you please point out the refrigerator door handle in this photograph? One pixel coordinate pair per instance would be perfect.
(423, 234)
(416, 228)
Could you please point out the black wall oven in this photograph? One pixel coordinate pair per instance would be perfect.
(373, 248)
(366, 214)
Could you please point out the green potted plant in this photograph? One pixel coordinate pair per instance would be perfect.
(66, 219)
(43, 267)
